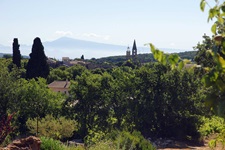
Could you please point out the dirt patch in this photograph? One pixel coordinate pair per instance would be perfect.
(186, 145)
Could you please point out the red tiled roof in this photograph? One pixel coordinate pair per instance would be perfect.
(59, 84)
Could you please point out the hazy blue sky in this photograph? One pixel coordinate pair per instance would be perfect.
(177, 24)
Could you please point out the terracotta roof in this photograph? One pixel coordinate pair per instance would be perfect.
(59, 84)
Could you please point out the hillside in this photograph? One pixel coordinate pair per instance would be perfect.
(143, 58)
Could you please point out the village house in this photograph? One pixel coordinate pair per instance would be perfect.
(60, 86)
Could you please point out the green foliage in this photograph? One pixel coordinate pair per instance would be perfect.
(126, 98)
(92, 92)
(75, 71)
(8, 88)
(219, 139)
(56, 128)
(157, 99)
(172, 99)
(203, 57)
(38, 98)
(134, 140)
(202, 5)
(62, 73)
(214, 77)
(129, 63)
(35, 99)
(123, 98)
(104, 145)
(123, 140)
(211, 125)
(58, 74)
(51, 144)
(94, 137)
(28, 99)
(170, 60)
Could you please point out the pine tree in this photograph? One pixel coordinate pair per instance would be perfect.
(16, 53)
(37, 65)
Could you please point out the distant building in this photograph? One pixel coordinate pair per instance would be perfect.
(188, 66)
(128, 53)
(77, 62)
(52, 63)
(60, 86)
(65, 59)
(132, 56)
(134, 50)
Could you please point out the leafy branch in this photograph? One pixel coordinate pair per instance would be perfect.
(173, 60)
(215, 76)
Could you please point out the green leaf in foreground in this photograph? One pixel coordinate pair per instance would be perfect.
(202, 5)
(213, 29)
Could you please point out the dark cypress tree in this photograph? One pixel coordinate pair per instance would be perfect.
(37, 65)
(82, 57)
(16, 53)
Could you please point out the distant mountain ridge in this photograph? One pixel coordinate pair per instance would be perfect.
(75, 48)
(76, 43)
(2, 54)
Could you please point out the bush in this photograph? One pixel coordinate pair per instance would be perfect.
(103, 145)
(211, 125)
(51, 144)
(124, 140)
(94, 137)
(56, 128)
(134, 140)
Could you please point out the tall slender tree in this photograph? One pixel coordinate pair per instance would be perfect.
(37, 65)
(82, 57)
(16, 53)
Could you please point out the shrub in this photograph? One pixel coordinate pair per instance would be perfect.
(134, 140)
(211, 125)
(104, 145)
(51, 144)
(117, 140)
(56, 128)
(94, 137)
